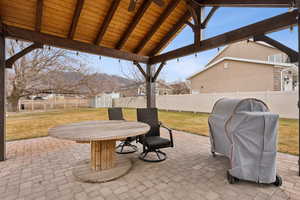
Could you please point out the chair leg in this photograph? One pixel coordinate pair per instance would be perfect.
(126, 147)
(161, 156)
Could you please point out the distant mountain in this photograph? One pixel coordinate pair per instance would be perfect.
(76, 82)
(110, 83)
(97, 82)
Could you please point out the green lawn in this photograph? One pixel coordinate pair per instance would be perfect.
(30, 125)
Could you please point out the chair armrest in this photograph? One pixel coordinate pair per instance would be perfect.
(162, 125)
(170, 132)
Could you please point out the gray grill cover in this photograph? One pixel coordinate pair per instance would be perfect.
(246, 132)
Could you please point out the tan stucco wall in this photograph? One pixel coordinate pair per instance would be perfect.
(247, 50)
(239, 76)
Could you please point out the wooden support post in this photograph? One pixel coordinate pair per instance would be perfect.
(195, 11)
(299, 86)
(2, 98)
(150, 88)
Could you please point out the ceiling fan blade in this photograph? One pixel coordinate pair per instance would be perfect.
(160, 3)
(131, 6)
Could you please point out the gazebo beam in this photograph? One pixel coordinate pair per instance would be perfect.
(140, 68)
(136, 19)
(246, 3)
(107, 20)
(209, 16)
(174, 30)
(2, 98)
(262, 27)
(168, 10)
(39, 15)
(77, 12)
(293, 55)
(10, 61)
(158, 71)
(28, 35)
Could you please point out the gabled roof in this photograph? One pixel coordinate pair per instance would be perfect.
(272, 64)
(227, 46)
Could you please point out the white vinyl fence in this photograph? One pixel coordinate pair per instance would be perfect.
(33, 105)
(283, 103)
(103, 101)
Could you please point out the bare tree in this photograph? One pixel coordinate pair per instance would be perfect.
(132, 72)
(180, 88)
(41, 71)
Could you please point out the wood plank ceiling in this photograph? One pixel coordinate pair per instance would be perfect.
(146, 31)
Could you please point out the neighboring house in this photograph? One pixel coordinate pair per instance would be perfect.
(246, 66)
(139, 89)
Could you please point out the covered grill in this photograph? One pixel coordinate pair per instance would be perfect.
(246, 132)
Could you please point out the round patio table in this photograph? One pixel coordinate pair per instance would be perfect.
(104, 164)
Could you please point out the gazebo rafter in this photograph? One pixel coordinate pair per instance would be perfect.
(77, 12)
(107, 20)
(168, 37)
(136, 19)
(39, 15)
(156, 25)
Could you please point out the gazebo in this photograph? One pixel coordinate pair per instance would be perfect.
(138, 33)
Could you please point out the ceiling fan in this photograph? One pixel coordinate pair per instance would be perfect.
(132, 4)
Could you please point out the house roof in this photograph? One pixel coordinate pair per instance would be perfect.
(226, 47)
(272, 64)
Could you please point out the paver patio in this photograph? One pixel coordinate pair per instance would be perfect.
(42, 169)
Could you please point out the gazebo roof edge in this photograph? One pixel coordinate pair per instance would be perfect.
(37, 37)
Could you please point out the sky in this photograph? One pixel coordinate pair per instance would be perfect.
(224, 20)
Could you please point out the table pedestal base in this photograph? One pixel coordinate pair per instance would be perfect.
(103, 154)
(85, 173)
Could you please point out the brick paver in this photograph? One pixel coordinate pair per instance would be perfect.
(42, 169)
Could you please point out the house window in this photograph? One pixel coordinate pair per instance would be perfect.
(278, 58)
(226, 65)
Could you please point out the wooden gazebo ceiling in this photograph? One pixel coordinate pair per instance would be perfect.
(106, 27)
(101, 22)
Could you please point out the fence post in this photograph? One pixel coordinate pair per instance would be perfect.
(52, 102)
(32, 105)
(19, 105)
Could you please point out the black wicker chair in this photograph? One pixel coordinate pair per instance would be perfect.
(152, 142)
(125, 146)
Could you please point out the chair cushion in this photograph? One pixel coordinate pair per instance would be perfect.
(156, 142)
